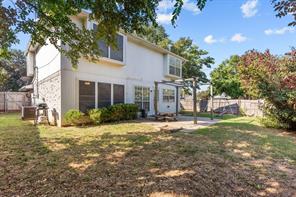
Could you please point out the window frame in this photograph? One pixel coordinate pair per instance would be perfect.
(109, 59)
(110, 94)
(122, 100)
(144, 99)
(172, 64)
(168, 95)
(79, 95)
(77, 90)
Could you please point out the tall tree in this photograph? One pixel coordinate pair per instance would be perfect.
(12, 70)
(284, 8)
(53, 21)
(196, 59)
(155, 35)
(274, 78)
(225, 78)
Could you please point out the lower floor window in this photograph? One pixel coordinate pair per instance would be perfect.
(104, 95)
(104, 92)
(118, 93)
(86, 95)
(168, 95)
(142, 97)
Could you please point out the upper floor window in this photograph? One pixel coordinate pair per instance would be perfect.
(115, 53)
(175, 66)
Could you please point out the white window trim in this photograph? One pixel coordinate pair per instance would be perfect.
(174, 94)
(96, 90)
(168, 66)
(142, 100)
(108, 59)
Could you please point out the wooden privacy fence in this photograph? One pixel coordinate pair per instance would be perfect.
(234, 106)
(13, 101)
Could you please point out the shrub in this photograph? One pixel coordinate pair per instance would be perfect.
(271, 122)
(272, 78)
(76, 118)
(114, 113)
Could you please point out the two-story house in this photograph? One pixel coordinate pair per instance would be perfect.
(124, 75)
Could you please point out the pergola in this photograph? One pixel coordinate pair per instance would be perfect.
(170, 83)
(180, 83)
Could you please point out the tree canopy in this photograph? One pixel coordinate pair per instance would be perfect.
(49, 19)
(12, 70)
(225, 78)
(156, 35)
(196, 58)
(274, 78)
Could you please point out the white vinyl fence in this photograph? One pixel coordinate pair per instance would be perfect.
(13, 101)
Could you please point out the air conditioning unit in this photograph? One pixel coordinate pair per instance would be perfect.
(28, 112)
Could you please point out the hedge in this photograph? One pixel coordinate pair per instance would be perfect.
(114, 113)
(76, 118)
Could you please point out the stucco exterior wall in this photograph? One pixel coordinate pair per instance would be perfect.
(48, 61)
(47, 81)
(59, 82)
(142, 67)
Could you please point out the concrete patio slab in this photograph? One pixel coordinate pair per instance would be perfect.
(184, 122)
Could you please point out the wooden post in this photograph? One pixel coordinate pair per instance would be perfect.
(211, 92)
(155, 98)
(194, 101)
(177, 100)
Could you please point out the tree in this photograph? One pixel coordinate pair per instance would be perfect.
(155, 35)
(196, 60)
(12, 70)
(284, 8)
(225, 78)
(183, 47)
(203, 95)
(53, 22)
(274, 78)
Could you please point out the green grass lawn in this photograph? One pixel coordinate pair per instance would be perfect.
(235, 157)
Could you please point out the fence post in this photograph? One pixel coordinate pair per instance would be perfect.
(5, 102)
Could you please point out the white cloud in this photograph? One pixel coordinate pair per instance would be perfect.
(164, 18)
(280, 31)
(249, 8)
(165, 9)
(209, 39)
(165, 5)
(190, 6)
(238, 37)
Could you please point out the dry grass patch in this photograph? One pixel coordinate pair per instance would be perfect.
(235, 157)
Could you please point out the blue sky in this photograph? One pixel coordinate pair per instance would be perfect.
(225, 27)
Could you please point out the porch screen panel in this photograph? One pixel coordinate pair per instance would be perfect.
(118, 93)
(104, 95)
(86, 95)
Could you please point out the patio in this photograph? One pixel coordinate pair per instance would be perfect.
(184, 122)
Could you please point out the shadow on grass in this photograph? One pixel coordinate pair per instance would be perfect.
(224, 159)
(208, 115)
